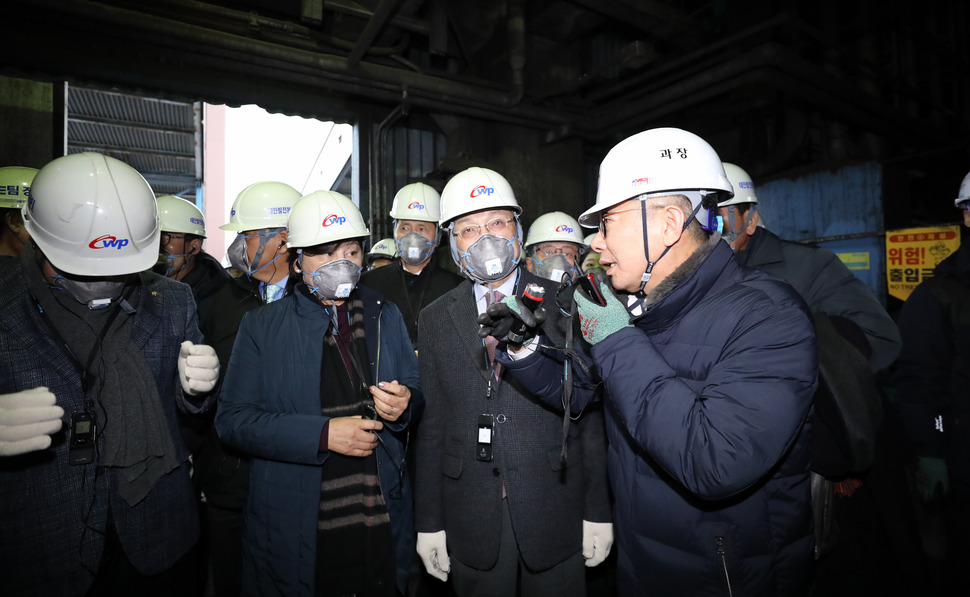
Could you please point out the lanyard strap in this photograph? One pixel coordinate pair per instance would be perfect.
(95, 352)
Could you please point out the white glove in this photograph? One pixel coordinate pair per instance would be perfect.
(434, 553)
(27, 420)
(597, 541)
(198, 368)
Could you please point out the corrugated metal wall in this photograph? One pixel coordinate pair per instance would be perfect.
(840, 210)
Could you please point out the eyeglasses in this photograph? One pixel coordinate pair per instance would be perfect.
(166, 238)
(603, 219)
(569, 252)
(473, 231)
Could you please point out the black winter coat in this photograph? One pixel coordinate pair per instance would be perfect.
(932, 373)
(410, 292)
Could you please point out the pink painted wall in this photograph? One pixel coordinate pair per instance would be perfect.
(214, 178)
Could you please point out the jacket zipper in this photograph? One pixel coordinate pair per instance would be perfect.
(722, 553)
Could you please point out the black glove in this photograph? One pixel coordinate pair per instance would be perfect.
(511, 322)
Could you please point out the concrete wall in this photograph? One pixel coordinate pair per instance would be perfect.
(30, 133)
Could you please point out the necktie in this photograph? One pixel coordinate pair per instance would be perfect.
(491, 342)
(273, 292)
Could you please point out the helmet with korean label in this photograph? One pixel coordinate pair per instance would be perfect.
(743, 187)
(180, 215)
(262, 205)
(15, 184)
(657, 162)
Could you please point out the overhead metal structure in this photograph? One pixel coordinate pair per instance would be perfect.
(783, 85)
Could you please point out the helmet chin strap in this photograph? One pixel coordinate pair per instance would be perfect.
(733, 234)
(646, 245)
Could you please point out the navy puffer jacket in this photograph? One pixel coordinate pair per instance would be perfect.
(708, 398)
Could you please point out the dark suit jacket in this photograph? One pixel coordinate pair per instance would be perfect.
(53, 514)
(462, 495)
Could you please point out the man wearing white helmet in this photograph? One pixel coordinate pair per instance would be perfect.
(14, 191)
(384, 252)
(219, 473)
(496, 510)
(98, 356)
(819, 276)
(322, 389)
(414, 280)
(931, 377)
(709, 371)
(258, 253)
(856, 338)
(554, 246)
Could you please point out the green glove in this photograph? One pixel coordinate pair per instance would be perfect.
(930, 474)
(599, 322)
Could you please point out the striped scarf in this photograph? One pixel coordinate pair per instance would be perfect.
(353, 525)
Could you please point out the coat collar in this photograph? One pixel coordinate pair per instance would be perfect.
(764, 248)
(688, 285)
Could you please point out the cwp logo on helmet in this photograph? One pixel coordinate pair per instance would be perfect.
(107, 241)
(415, 205)
(334, 219)
(564, 228)
(640, 181)
(481, 190)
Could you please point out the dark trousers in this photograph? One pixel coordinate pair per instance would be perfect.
(510, 577)
(225, 549)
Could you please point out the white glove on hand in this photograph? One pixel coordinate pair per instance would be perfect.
(198, 368)
(433, 550)
(27, 420)
(597, 541)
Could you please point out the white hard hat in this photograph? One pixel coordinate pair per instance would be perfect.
(386, 247)
(476, 189)
(180, 215)
(15, 185)
(262, 205)
(324, 217)
(93, 215)
(964, 191)
(416, 201)
(743, 187)
(657, 161)
(554, 226)
(588, 241)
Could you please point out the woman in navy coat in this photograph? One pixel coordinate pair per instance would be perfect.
(321, 389)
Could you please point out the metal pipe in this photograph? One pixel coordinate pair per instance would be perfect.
(374, 25)
(378, 191)
(401, 22)
(366, 79)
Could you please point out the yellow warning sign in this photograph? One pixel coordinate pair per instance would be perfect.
(913, 253)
